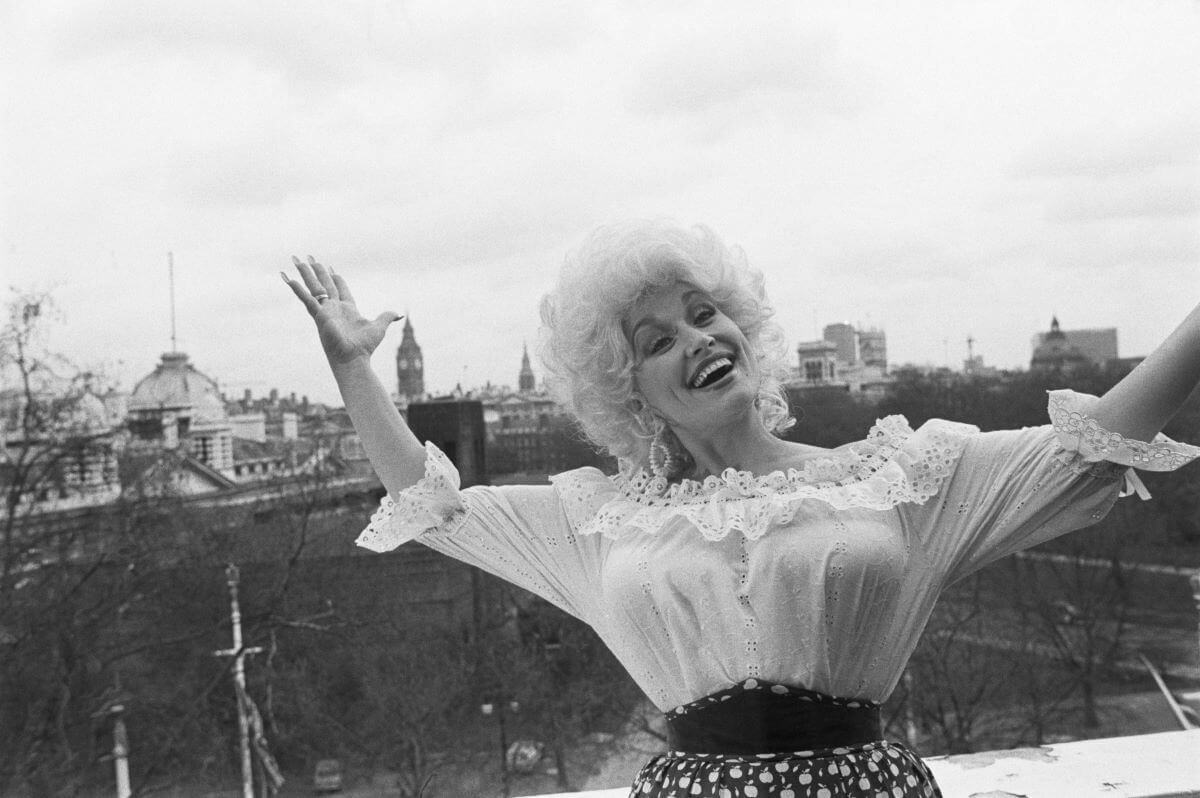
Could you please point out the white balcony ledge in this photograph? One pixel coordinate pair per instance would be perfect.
(1163, 765)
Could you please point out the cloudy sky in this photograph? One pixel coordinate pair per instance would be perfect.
(936, 170)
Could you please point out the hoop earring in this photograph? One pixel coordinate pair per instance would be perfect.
(662, 459)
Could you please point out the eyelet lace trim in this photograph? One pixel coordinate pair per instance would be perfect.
(432, 503)
(844, 468)
(892, 466)
(1078, 432)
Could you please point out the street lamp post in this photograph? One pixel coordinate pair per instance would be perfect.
(120, 752)
(120, 749)
(238, 652)
(498, 709)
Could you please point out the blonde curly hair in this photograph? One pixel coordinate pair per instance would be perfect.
(587, 356)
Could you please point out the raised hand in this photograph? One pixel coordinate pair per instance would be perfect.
(345, 335)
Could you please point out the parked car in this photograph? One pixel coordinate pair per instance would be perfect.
(524, 755)
(327, 776)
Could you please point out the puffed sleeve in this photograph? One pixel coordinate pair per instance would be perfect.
(524, 534)
(1013, 489)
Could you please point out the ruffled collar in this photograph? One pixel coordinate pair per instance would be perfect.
(839, 467)
(893, 465)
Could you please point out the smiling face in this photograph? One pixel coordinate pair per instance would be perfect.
(692, 363)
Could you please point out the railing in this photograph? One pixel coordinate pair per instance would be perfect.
(1163, 765)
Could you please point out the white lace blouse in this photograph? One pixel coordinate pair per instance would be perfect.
(821, 577)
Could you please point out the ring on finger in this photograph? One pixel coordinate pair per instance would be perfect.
(320, 297)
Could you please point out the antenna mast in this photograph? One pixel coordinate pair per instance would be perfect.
(171, 273)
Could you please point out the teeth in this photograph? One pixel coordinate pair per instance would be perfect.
(709, 369)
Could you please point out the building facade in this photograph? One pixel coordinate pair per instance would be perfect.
(178, 407)
(1058, 353)
(845, 338)
(456, 427)
(818, 362)
(68, 458)
(872, 349)
(846, 358)
(1098, 345)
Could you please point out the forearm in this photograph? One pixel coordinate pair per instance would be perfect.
(1141, 404)
(395, 453)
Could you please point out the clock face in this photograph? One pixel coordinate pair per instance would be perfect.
(403, 363)
(417, 363)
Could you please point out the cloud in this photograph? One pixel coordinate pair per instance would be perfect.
(1117, 245)
(310, 42)
(324, 48)
(726, 61)
(447, 154)
(1107, 175)
(263, 172)
(1099, 153)
(895, 256)
(1168, 199)
(470, 39)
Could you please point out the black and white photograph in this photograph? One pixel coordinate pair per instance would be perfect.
(651, 400)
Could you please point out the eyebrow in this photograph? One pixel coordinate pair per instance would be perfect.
(686, 298)
(642, 323)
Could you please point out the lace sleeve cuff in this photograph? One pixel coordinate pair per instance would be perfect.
(432, 503)
(1078, 432)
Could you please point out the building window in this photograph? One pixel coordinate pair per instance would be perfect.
(203, 449)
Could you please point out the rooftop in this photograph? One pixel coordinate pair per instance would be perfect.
(1165, 765)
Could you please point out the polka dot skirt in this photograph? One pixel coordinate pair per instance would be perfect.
(879, 769)
(874, 770)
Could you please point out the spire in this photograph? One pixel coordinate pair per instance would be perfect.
(526, 381)
(171, 277)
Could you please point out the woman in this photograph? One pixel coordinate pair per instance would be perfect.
(764, 594)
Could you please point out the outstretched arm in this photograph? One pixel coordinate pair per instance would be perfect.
(349, 340)
(1141, 404)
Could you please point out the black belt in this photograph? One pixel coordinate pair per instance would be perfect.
(771, 719)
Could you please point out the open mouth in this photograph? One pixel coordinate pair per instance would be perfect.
(712, 372)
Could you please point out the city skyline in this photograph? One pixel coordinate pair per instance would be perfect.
(234, 393)
(933, 170)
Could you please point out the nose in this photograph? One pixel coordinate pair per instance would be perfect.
(700, 341)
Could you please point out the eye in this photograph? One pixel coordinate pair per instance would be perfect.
(705, 313)
(658, 344)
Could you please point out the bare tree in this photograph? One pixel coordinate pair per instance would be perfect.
(1077, 600)
(572, 690)
(957, 684)
(54, 454)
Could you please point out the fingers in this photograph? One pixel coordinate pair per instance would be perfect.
(312, 278)
(324, 277)
(342, 289)
(302, 294)
(320, 284)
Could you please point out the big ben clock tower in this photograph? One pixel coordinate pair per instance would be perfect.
(410, 371)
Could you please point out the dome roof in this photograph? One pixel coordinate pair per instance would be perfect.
(1056, 351)
(176, 385)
